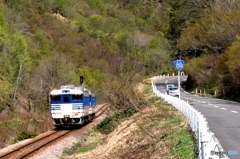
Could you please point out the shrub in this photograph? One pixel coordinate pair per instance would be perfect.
(111, 122)
(25, 135)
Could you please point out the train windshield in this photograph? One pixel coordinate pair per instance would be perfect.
(55, 98)
(76, 97)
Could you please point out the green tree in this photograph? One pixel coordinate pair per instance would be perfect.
(213, 32)
(20, 58)
(3, 32)
(228, 67)
(92, 77)
(98, 4)
(96, 21)
(52, 72)
(59, 6)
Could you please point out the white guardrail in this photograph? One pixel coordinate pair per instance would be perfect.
(208, 145)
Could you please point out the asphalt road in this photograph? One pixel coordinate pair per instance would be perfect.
(223, 116)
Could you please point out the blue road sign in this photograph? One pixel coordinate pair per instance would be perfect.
(178, 64)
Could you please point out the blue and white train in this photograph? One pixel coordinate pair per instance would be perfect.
(72, 105)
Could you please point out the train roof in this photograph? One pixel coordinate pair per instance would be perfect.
(70, 89)
(66, 91)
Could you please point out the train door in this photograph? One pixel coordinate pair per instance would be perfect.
(66, 98)
(66, 106)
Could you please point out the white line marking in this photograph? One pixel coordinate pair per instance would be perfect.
(234, 111)
(223, 108)
(203, 102)
(233, 102)
(216, 106)
(209, 104)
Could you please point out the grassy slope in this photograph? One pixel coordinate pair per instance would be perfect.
(159, 131)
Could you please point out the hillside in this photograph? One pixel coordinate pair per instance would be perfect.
(158, 131)
(115, 45)
(45, 44)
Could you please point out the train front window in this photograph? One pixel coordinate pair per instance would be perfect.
(55, 98)
(76, 97)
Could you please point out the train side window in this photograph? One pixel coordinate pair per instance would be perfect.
(66, 99)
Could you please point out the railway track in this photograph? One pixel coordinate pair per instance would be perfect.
(42, 141)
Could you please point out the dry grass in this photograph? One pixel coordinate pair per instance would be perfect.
(158, 131)
(13, 123)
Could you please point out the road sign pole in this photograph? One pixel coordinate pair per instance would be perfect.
(179, 87)
(178, 64)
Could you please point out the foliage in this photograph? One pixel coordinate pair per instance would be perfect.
(214, 34)
(82, 26)
(110, 123)
(19, 50)
(203, 70)
(88, 147)
(2, 32)
(96, 21)
(6, 89)
(25, 135)
(18, 127)
(228, 66)
(43, 47)
(45, 44)
(92, 77)
(59, 6)
(98, 4)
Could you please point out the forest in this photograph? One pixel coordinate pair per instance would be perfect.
(115, 44)
(45, 44)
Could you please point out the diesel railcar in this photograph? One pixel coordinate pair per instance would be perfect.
(72, 105)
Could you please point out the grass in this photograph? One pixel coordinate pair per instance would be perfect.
(167, 128)
(86, 144)
(87, 147)
(184, 145)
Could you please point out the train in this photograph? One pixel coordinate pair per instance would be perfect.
(71, 105)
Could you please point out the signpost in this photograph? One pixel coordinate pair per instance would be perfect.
(178, 64)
